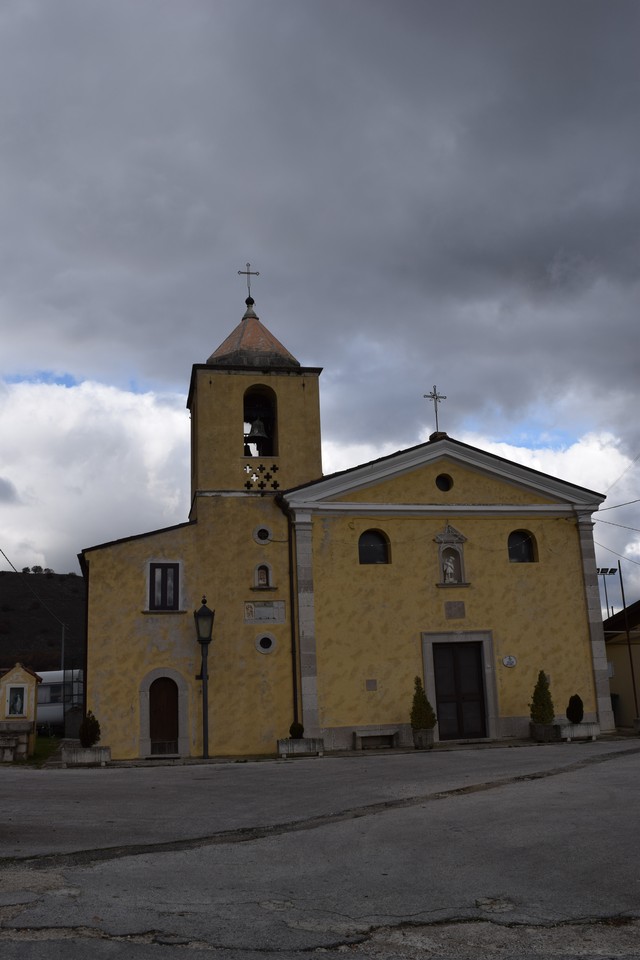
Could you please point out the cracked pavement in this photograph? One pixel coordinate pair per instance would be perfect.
(528, 851)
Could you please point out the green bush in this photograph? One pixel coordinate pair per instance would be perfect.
(89, 731)
(575, 709)
(296, 731)
(422, 713)
(541, 705)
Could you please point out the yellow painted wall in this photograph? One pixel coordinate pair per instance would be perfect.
(470, 486)
(218, 459)
(371, 628)
(250, 694)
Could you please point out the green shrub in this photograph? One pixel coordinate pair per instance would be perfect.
(575, 709)
(296, 731)
(541, 705)
(89, 731)
(422, 713)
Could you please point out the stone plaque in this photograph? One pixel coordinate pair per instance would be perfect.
(264, 611)
(454, 610)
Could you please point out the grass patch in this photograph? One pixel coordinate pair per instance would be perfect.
(45, 747)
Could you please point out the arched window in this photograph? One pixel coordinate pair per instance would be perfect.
(260, 422)
(522, 547)
(262, 577)
(373, 547)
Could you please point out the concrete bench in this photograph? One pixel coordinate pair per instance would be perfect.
(375, 736)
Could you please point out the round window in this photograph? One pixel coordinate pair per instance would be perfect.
(444, 482)
(265, 643)
(262, 534)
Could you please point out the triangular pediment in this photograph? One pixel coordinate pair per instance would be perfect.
(418, 478)
(450, 535)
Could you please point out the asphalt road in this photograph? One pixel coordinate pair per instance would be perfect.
(530, 851)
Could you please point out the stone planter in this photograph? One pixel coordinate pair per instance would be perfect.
(301, 747)
(544, 732)
(423, 739)
(579, 731)
(74, 755)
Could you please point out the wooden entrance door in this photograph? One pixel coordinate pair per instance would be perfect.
(163, 716)
(459, 681)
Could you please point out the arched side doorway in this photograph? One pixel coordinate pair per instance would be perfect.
(163, 714)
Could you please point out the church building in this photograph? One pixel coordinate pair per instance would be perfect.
(332, 593)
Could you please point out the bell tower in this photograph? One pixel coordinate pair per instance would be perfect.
(255, 416)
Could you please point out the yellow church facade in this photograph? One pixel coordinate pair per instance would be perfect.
(332, 593)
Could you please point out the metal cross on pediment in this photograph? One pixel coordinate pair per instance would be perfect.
(249, 273)
(436, 397)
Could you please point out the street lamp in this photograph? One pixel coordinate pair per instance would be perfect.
(204, 628)
(606, 572)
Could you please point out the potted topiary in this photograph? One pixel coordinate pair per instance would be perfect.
(89, 731)
(297, 745)
(541, 726)
(87, 752)
(575, 709)
(423, 718)
(576, 729)
(296, 730)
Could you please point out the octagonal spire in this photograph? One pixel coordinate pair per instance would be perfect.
(251, 345)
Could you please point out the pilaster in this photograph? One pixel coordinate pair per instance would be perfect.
(596, 632)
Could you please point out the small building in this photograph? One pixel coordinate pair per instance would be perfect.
(332, 593)
(19, 704)
(622, 638)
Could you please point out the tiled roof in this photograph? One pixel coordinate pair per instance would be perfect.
(252, 345)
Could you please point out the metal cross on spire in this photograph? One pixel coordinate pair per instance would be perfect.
(436, 397)
(249, 273)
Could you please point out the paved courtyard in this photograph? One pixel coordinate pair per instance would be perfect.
(524, 851)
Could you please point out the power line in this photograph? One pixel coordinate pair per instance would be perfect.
(621, 555)
(39, 599)
(609, 523)
(627, 504)
(628, 467)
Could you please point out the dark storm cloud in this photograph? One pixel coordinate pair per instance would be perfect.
(434, 191)
(8, 492)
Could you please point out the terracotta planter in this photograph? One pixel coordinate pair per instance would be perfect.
(423, 739)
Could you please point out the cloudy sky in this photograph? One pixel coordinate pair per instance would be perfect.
(434, 192)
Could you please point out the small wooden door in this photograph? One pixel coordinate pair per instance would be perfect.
(459, 680)
(163, 716)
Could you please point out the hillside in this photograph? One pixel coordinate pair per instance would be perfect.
(31, 606)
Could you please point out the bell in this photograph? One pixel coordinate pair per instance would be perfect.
(257, 432)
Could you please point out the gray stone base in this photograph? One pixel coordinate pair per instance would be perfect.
(301, 747)
(74, 755)
(579, 731)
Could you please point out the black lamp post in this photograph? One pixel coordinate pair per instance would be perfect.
(204, 628)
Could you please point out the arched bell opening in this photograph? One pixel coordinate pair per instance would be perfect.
(260, 422)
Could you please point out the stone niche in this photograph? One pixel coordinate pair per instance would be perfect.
(18, 704)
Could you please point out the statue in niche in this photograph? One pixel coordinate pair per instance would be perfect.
(449, 569)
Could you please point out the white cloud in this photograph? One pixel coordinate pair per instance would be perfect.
(89, 463)
(86, 464)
